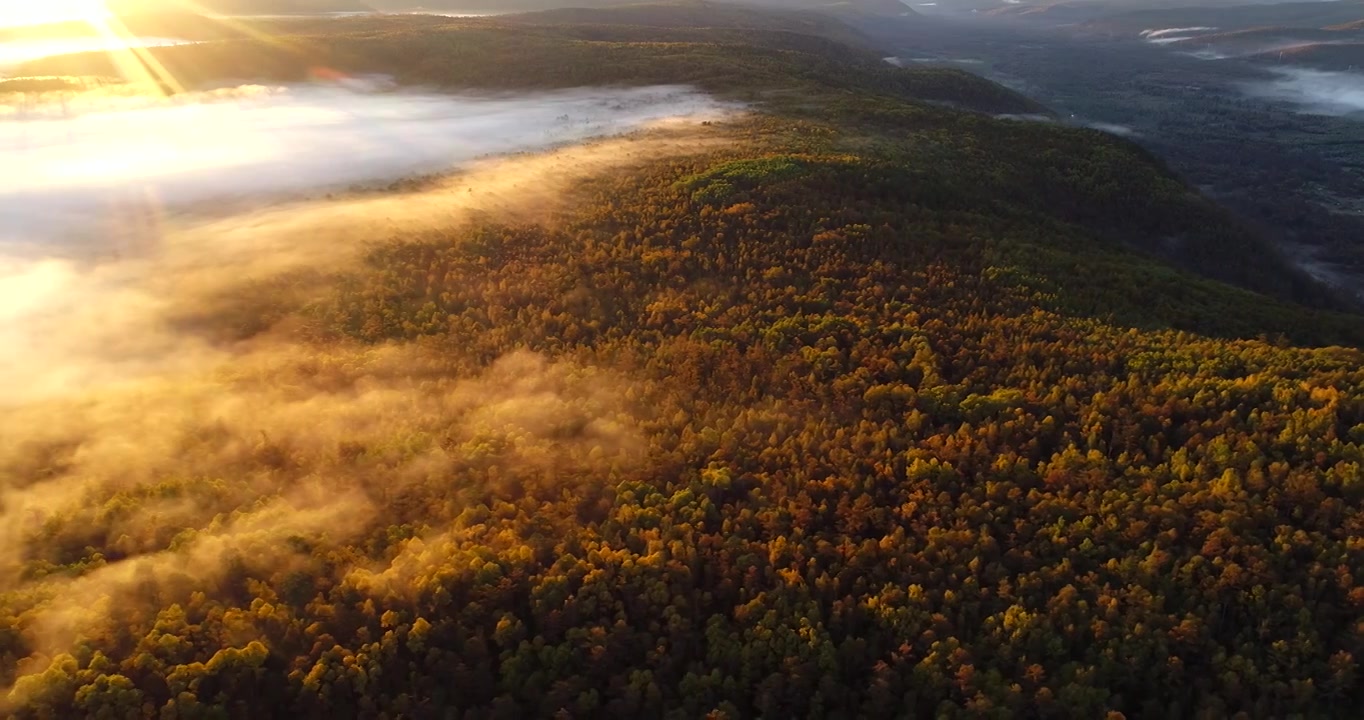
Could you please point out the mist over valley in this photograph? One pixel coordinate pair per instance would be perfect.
(1315, 91)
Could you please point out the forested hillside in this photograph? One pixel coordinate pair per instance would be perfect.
(869, 407)
(1107, 183)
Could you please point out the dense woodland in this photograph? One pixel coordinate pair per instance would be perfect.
(883, 409)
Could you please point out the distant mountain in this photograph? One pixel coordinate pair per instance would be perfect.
(1070, 12)
(1322, 35)
(1231, 17)
(1129, 17)
(1262, 40)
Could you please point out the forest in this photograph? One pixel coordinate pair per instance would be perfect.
(871, 405)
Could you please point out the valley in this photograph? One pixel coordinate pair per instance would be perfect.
(1274, 144)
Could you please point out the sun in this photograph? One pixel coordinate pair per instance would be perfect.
(17, 13)
(133, 62)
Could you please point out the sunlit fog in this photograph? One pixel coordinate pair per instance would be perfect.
(118, 210)
(80, 165)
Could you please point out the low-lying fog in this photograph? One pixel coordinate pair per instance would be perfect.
(1320, 92)
(118, 214)
(83, 165)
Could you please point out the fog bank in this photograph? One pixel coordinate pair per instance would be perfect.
(105, 277)
(1314, 91)
(104, 167)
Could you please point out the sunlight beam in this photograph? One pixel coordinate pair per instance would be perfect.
(151, 69)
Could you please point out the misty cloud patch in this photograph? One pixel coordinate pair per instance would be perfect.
(1166, 32)
(1314, 91)
(1114, 128)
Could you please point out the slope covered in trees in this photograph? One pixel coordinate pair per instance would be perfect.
(876, 409)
